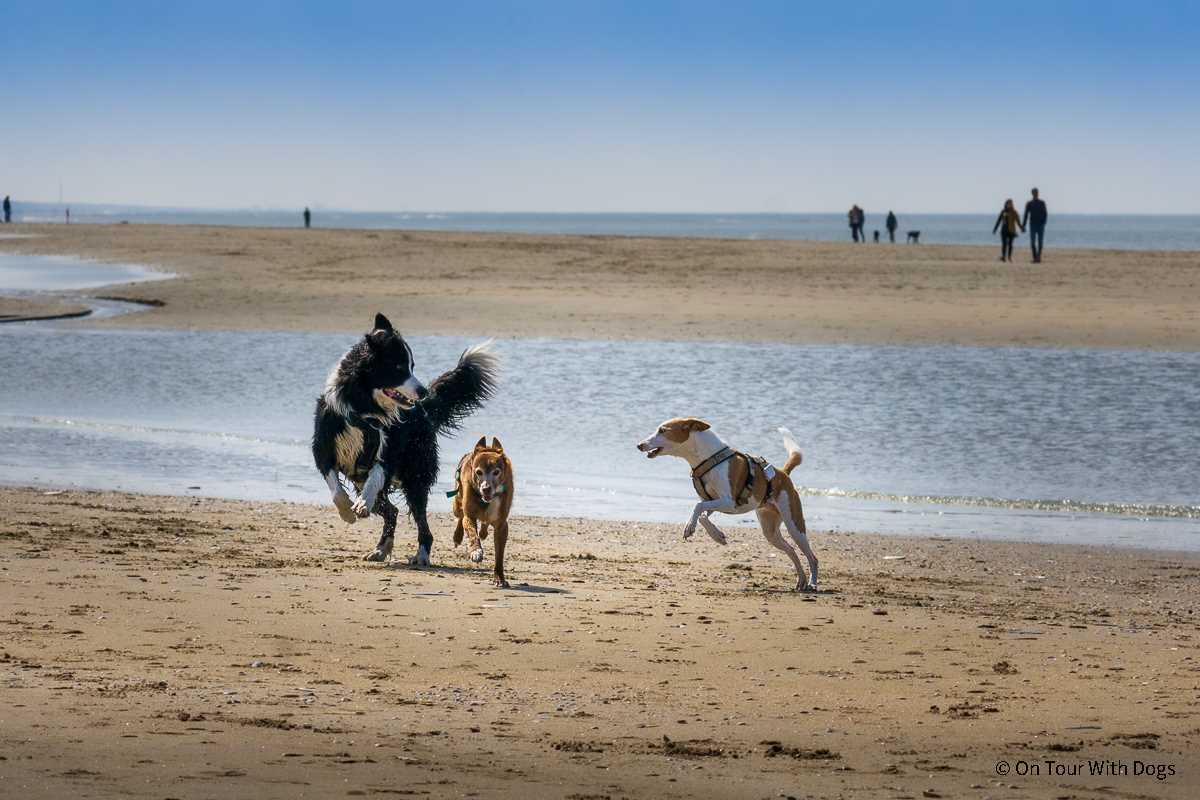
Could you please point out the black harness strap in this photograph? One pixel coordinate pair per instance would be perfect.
(747, 491)
(708, 465)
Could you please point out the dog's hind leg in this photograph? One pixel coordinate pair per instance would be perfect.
(768, 518)
(418, 498)
(385, 509)
(793, 518)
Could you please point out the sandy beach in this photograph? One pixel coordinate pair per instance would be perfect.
(184, 647)
(194, 647)
(622, 288)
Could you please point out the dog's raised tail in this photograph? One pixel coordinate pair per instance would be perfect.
(794, 455)
(456, 394)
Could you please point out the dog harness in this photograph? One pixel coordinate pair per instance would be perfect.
(756, 467)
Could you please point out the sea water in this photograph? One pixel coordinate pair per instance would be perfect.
(1106, 231)
(1088, 446)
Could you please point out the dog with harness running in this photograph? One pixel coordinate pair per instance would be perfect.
(733, 482)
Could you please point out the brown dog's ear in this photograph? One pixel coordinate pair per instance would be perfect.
(693, 424)
(481, 444)
(499, 448)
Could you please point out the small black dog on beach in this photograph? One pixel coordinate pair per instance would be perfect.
(377, 425)
(914, 237)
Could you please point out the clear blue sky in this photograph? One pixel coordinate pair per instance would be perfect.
(577, 106)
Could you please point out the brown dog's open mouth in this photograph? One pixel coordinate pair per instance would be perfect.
(653, 451)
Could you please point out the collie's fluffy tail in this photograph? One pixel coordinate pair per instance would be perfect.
(456, 394)
(794, 455)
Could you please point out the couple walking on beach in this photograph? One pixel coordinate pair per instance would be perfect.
(1011, 225)
(858, 218)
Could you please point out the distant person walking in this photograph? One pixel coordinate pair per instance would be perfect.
(307, 217)
(892, 224)
(7, 209)
(856, 217)
(1035, 218)
(1009, 225)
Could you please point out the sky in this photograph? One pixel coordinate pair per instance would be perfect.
(603, 106)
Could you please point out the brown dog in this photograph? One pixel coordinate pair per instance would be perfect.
(483, 495)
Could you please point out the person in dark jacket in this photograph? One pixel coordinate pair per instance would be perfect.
(7, 209)
(1035, 218)
(1009, 225)
(307, 217)
(856, 223)
(892, 224)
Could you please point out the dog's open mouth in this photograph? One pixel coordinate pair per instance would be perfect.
(653, 451)
(398, 396)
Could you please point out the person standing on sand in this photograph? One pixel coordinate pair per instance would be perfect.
(856, 218)
(1008, 223)
(307, 217)
(7, 209)
(892, 224)
(1035, 217)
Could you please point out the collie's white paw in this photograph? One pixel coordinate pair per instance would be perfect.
(477, 555)
(421, 559)
(345, 507)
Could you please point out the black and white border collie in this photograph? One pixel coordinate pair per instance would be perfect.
(377, 425)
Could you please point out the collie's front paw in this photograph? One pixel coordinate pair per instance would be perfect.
(345, 507)
(360, 509)
(688, 530)
(477, 555)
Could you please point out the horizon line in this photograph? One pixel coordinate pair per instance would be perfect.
(299, 209)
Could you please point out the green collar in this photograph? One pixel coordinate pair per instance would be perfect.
(499, 491)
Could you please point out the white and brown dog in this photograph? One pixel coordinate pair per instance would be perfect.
(735, 483)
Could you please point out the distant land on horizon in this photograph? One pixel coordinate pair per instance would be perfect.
(105, 207)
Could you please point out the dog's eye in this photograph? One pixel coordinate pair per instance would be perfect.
(478, 473)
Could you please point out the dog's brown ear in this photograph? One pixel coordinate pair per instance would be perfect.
(481, 444)
(499, 448)
(693, 424)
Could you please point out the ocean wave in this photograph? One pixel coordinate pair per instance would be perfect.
(144, 430)
(1156, 510)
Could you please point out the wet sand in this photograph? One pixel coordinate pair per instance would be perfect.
(623, 287)
(25, 309)
(186, 647)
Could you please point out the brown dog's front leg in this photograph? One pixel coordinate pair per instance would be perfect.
(474, 547)
(500, 542)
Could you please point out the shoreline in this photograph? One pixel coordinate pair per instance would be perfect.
(229, 643)
(656, 288)
(743, 525)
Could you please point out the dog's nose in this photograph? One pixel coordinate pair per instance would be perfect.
(422, 392)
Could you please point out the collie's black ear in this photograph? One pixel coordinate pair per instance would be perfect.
(497, 446)
(382, 324)
(481, 444)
